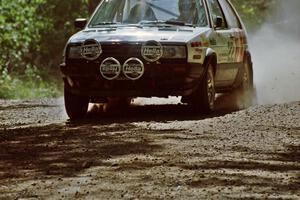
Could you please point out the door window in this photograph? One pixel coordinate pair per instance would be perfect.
(216, 11)
(232, 19)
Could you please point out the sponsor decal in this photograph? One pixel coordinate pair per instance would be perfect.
(236, 47)
(197, 57)
(199, 50)
(110, 68)
(242, 42)
(152, 51)
(91, 49)
(133, 68)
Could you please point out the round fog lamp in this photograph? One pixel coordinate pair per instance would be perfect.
(110, 68)
(133, 68)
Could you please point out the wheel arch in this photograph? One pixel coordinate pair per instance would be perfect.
(211, 58)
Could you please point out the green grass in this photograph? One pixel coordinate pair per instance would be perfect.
(31, 84)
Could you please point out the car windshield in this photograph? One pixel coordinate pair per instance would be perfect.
(150, 12)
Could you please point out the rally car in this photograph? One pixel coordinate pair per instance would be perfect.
(145, 48)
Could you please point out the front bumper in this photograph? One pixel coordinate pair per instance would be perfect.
(159, 79)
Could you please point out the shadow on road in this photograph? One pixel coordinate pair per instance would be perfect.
(64, 150)
(60, 151)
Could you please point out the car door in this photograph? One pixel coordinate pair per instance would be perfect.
(221, 43)
(237, 34)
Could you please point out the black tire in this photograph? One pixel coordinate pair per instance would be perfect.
(76, 105)
(124, 102)
(203, 99)
(245, 94)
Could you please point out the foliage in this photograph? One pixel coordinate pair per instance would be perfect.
(21, 26)
(32, 37)
(61, 15)
(252, 12)
(20, 31)
(29, 85)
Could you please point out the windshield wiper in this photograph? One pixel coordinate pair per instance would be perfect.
(178, 23)
(104, 23)
(168, 22)
(117, 24)
(155, 22)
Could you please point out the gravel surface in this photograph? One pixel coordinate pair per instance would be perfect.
(149, 152)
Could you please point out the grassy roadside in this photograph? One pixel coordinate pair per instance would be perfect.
(31, 84)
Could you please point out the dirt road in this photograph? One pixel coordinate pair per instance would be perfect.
(149, 152)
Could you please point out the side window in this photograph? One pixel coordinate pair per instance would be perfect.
(232, 19)
(215, 11)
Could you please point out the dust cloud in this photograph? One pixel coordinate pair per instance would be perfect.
(276, 55)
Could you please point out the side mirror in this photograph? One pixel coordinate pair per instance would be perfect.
(218, 22)
(80, 23)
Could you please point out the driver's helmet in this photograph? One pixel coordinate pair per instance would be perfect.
(141, 11)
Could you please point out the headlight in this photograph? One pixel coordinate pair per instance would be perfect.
(174, 52)
(74, 52)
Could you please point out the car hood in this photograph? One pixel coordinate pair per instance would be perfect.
(135, 34)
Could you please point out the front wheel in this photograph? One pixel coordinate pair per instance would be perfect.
(203, 99)
(76, 105)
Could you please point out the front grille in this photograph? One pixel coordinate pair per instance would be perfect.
(122, 52)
